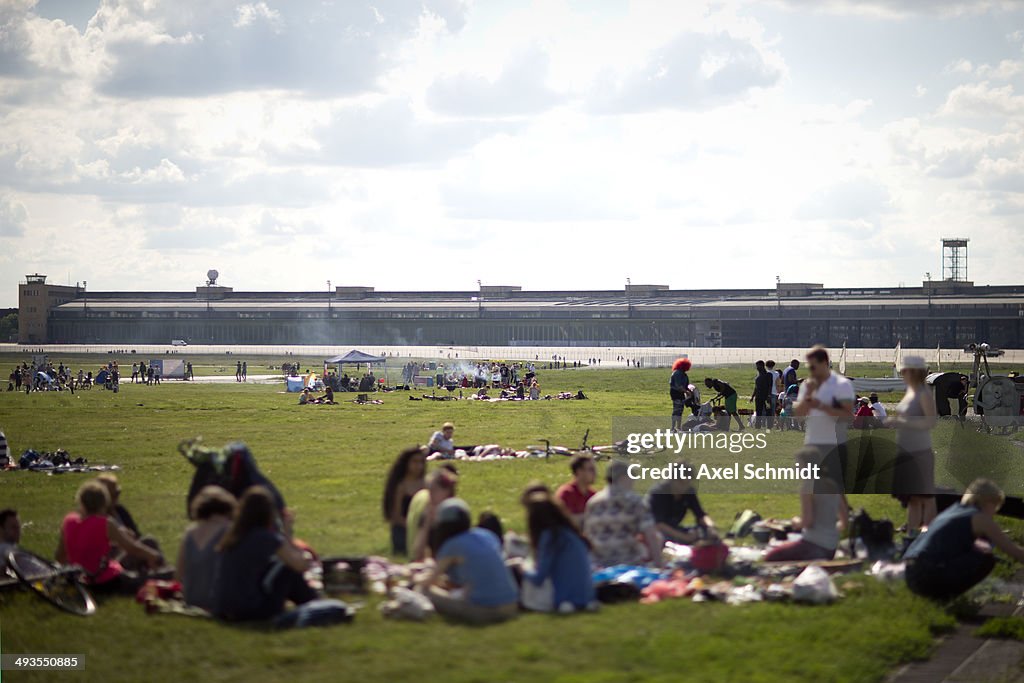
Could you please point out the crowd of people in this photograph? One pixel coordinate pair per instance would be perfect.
(44, 376)
(239, 559)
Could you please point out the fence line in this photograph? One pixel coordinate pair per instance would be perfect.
(608, 355)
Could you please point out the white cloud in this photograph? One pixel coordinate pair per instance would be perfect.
(693, 71)
(386, 134)
(214, 47)
(898, 9)
(983, 100)
(519, 89)
(13, 217)
(960, 66)
(251, 12)
(1005, 70)
(854, 200)
(215, 133)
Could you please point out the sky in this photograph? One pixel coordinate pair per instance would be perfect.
(552, 144)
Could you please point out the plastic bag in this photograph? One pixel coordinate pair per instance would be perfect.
(407, 604)
(888, 571)
(815, 586)
(538, 598)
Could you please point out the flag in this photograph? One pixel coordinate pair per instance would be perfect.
(842, 360)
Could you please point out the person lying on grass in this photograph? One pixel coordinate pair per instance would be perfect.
(89, 536)
(560, 555)
(955, 551)
(469, 581)
(823, 515)
(405, 479)
(259, 568)
(198, 558)
(669, 502)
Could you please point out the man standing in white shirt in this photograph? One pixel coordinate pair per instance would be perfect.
(777, 388)
(825, 402)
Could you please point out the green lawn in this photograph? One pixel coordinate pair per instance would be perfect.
(330, 461)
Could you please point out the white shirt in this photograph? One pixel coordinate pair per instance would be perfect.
(438, 443)
(822, 428)
(878, 409)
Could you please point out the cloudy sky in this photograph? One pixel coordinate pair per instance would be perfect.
(425, 144)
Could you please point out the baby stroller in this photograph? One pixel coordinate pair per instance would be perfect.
(702, 417)
(787, 420)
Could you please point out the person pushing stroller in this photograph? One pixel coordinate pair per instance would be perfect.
(726, 392)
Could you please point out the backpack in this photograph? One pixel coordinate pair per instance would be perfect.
(28, 457)
(877, 535)
(743, 524)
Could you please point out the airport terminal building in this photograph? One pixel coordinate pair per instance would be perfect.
(946, 313)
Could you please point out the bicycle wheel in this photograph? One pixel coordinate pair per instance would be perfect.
(60, 587)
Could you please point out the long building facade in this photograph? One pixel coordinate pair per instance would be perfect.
(950, 314)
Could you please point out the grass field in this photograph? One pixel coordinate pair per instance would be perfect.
(330, 462)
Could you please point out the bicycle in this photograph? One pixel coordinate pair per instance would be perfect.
(58, 585)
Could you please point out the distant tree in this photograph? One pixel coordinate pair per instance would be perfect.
(9, 327)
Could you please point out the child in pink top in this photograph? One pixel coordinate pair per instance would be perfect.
(88, 535)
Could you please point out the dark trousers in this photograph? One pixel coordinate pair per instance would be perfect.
(762, 409)
(398, 540)
(945, 579)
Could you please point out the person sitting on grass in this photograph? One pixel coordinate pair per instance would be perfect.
(955, 552)
(560, 554)
(259, 568)
(119, 513)
(669, 502)
(441, 441)
(490, 521)
(198, 559)
(616, 518)
(823, 515)
(535, 390)
(10, 534)
(440, 487)
(726, 392)
(575, 493)
(406, 478)
(304, 397)
(468, 558)
(89, 536)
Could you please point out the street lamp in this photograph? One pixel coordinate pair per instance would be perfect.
(480, 299)
(85, 295)
(929, 290)
(629, 309)
(329, 308)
